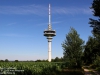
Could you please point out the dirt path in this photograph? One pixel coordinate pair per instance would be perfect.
(89, 71)
(97, 73)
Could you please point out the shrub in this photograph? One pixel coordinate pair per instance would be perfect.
(97, 61)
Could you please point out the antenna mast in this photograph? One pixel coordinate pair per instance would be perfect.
(49, 26)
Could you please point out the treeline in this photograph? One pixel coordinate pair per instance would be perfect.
(57, 59)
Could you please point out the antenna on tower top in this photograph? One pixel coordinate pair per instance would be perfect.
(49, 15)
(49, 26)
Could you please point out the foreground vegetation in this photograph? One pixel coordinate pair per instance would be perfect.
(37, 68)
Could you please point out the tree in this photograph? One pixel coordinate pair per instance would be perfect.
(6, 60)
(16, 61)
(91, 50)
(96, 12)
(1, 60)
(73, 46)
(95, 23)
(57, 59)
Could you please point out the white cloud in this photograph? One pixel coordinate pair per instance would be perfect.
(30, 9)
(14, 35)
(42, 10)
(72, 10)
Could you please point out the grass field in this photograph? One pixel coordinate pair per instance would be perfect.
(37, 68)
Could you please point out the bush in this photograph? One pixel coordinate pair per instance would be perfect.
(1, 60)
(98, 69)
(16, 60)
(97, 61)
(6, 60)
(93, 66)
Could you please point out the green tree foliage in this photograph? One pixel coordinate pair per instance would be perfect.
(41, 60)
(96, 12)
(97, 61)
(1, 60)
(16, 61)
(57, 59)
(96, 23)
(73, 46)
(91, 50)
(6, 60)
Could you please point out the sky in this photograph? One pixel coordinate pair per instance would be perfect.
(22, 23)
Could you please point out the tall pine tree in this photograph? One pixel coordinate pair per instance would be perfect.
(92, 48)
(96, 23)
(96, 12)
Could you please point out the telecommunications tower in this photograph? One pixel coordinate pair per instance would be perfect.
(49, 33)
